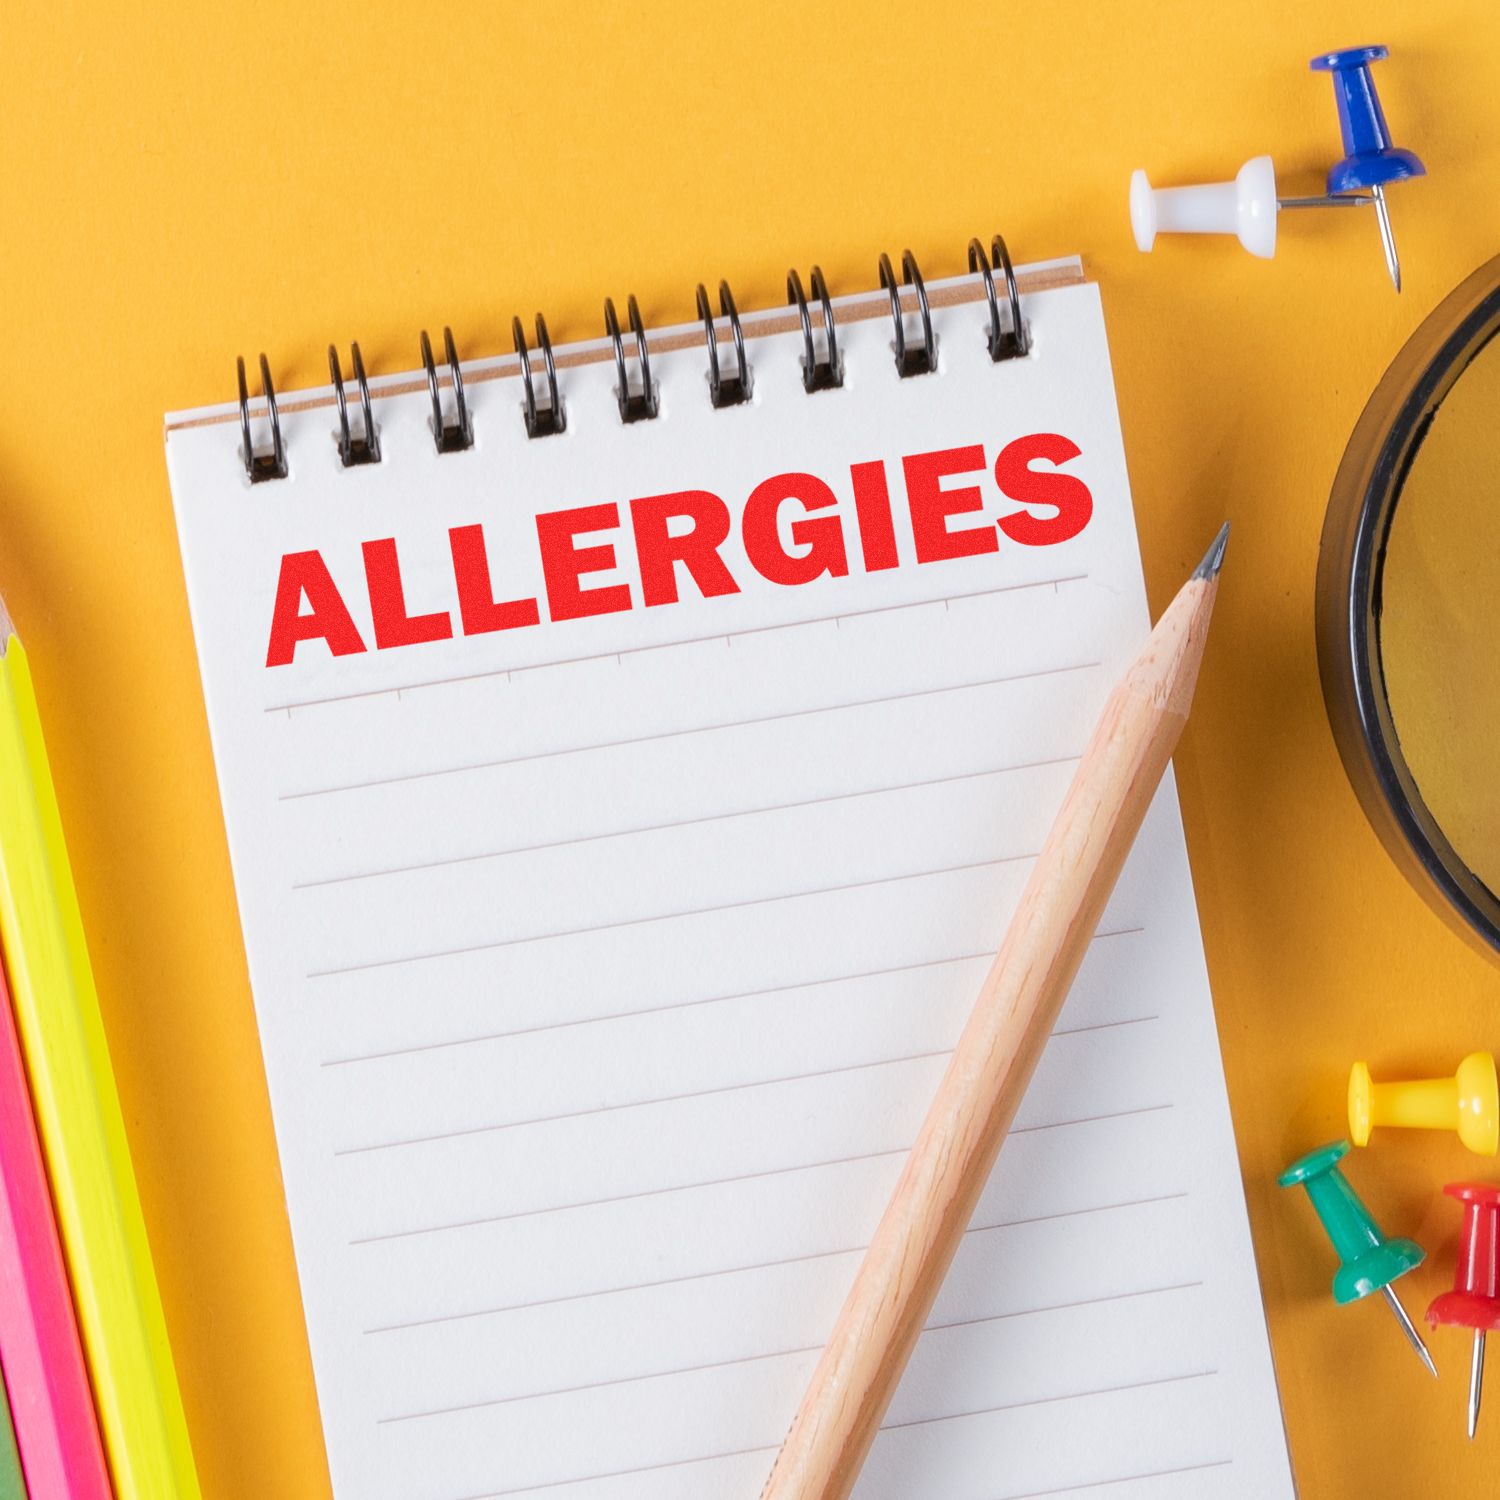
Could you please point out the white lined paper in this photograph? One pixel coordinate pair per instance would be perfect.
(604, 969)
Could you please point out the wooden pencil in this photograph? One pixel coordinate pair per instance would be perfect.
(78, 1115)
(1017, 1007)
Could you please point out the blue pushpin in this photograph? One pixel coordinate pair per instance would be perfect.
(1370, 160)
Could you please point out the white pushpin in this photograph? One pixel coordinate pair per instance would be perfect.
(1245, 208)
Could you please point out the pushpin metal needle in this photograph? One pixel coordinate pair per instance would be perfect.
(1387, 239)
(1409, 1329)
(1476, 1382)
(1369, 1262)
(1327, 200)
(1474, 1301)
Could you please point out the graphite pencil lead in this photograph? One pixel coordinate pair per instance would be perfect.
(1213, 559)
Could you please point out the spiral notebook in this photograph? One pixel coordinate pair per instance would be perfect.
(630, 760)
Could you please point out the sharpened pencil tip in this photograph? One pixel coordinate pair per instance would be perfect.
(1213, 559)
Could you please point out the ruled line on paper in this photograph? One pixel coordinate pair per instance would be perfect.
(761, 1358)
(1108, 1390)
(656, 1010)
(667, 916)
(787, 1260)
(691, 640)
(608, 1109)
(704, 1000)
(1105, 1025)
(677, 824)
(676, 1463)
(1113, 1114)
(707, 1458)
(692, 729)
(1100, 1484)
(661, 1192)
(705, 1182)
(652, 1101)
(685, 1187)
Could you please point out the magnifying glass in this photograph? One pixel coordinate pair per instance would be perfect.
(1408, 600)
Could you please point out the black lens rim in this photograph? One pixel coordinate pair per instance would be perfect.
(1351, 562)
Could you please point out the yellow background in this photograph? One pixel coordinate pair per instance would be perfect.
(182, 183)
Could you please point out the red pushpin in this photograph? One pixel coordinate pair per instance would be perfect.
(1474, 1301)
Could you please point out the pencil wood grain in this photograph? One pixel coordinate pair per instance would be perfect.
(1017, 1008)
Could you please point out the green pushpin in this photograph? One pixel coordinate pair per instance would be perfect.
(1371, 1262)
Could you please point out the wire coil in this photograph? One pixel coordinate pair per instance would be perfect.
(259, 466)
(824, 374)
(635, 406)
(637, 392)
(1005, 343)
(541, 421)
(364, 449)
(920, 359)
(736, 388)
(458, 435)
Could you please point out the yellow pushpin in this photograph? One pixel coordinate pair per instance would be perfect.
(1468, 1102)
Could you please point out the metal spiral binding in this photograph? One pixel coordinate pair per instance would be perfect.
(634, 406)
(458, 435)
(364, 449)
(824, 374)
(545, 420)
(735, 389)
(1005, 343)
(1007, 337)
(921, 359)
(259, 466)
